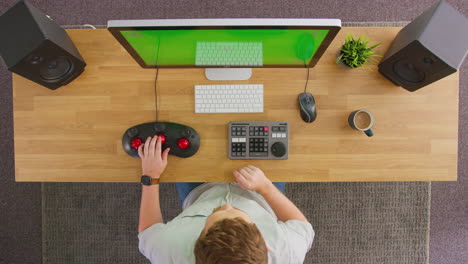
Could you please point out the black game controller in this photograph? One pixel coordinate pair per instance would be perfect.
(184, 141)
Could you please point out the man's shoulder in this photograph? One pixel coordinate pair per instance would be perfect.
(170, 241)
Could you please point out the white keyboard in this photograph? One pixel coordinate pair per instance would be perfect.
(230, 98)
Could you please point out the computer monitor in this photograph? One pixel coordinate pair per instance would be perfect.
(227, 48)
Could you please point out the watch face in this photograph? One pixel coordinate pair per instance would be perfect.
(145, 180)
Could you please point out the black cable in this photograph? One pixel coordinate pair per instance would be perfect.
(156, 105)
(308, 73)
(156, 93)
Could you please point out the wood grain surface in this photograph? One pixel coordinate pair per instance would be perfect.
(74, 133)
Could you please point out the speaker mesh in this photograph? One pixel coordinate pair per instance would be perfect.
(56, 69)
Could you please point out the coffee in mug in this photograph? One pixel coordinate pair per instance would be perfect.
(362, 120)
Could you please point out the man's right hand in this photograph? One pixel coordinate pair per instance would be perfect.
(153, 162)
(252, 178)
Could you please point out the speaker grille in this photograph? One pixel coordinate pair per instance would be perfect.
(55, 69)
(408, 71)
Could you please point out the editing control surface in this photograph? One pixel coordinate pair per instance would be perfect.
(184, 141)
(258, 140)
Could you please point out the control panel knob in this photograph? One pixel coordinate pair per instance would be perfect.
(159, 126)
(163, 138)
(187, 133)
(132, 132)
(278, 149)
(183, 143)
(136, 142)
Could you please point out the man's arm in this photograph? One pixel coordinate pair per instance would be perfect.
(252, 178)
(153, 164)
(150, 210)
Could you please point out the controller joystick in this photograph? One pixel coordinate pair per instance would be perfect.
(183, 140)
(136, 142)
(183, 143)
(163, 138)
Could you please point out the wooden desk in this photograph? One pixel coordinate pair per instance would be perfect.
(74, 133)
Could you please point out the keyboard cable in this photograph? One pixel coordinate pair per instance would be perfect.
(156, 105)
(156, 93)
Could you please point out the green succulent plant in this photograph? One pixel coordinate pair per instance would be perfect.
(355, 53)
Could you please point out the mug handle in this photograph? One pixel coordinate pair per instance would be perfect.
(369, 132)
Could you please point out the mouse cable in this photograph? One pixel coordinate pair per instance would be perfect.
(307, 80)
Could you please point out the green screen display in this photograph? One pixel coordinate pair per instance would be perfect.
(259, 47)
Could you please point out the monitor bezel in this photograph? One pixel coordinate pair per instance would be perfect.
(116, 26)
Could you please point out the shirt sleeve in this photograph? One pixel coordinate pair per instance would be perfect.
(147, 244)
(299, 236)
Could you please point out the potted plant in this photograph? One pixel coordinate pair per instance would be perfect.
(355, 53)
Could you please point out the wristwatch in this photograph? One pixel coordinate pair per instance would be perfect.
(148, 181)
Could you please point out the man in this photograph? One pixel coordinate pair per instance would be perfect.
(249, 221)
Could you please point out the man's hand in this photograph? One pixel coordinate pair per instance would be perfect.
(153, 162)
(252, 178)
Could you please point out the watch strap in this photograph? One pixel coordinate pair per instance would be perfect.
(154, 181)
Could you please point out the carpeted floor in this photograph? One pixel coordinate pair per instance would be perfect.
(363, 223)
(20, 203)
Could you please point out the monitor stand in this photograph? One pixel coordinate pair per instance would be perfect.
(228, 74)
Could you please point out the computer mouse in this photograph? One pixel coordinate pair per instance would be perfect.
(305, 47)
(307, 107)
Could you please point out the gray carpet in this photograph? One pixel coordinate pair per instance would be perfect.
(364, 223)
(96, 223)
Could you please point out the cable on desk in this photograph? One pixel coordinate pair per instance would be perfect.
(156, 105)
(308, 73)
(156, 93)
(89, 25)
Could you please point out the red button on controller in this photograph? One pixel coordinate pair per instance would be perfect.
(136, 142)
(265, 129)
(163, 138)
(183, 143)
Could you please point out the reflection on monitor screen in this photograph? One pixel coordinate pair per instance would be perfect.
(217, 53)
(226, 47)
(225, 43)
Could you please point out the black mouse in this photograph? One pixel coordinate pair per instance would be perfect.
(307, 107)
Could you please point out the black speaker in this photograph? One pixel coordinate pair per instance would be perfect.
(427, 49)
(35, 47)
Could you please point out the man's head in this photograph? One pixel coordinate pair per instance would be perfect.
(229, 236)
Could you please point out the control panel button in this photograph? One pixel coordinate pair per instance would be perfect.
(258, 154)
